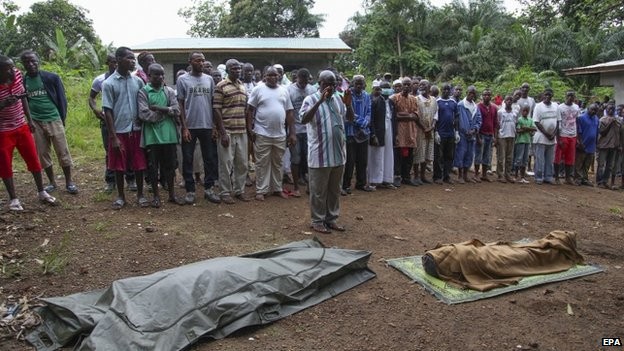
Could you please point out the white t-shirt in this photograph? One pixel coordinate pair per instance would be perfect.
(547, 116)
(507, 123)
(569, 114)
(271, 105)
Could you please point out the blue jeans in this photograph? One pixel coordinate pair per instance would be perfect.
(521, 155)
(483, 152)
(209, 156)
(544, 158)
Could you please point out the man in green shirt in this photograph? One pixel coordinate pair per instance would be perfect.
(48, 108)
(159, 112)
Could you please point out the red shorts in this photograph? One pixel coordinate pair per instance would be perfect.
(22, 139)
(131, 156)
(566, 151)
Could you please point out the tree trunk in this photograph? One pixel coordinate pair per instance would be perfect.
(398, 37)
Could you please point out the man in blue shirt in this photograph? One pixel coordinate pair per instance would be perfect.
(445, 137)
(357, 138)
(587, 136)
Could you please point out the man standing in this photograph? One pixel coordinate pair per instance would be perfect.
(228, 105)
(485, 137)
(15, 133)
(469, 124)
(96, 88)
(159, 112)
(48, 109)
(357, 138)
(457, 93)
(298, 91)
(525, 99)
(282, 79)
(119, 101)
(247, 76)
(324, 112)
(586, 141)
(406, 115)
(381, 151)
(269, 109)
(546, 117)
(446, 136)
(608, 144)
(195, 90)
(145, 59)
(428, 115)
(566, 146)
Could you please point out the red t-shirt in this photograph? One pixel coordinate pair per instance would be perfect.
(489, 119)
(12, 117)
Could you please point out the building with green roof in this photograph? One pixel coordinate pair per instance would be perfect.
(292, 53)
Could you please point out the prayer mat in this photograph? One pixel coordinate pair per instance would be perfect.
(453, 294)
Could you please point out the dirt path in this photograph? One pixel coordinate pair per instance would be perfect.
(387, 313)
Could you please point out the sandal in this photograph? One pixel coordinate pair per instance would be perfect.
(50, 188)
(156, 202)
(118, 204)
(296, 193)
(335, 226)
(15, 205)
(46, 198)
(320, 228)
(72, 189)
(143, 202)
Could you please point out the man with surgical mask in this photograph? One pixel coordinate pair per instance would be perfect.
(380, 152)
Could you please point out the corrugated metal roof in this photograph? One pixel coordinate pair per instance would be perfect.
(613, 66)
(334, 45)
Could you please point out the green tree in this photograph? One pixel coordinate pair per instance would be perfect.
(8, 29)
(45, 17)
(248, 18)
(473, 42)
(577, 14)
(76, 55)
(384, 43)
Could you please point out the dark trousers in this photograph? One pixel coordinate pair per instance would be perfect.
(403, 162)
(162, 160)
(443, 154)
(209, 156)
(109, 176)
(357, 157)
(606, 163)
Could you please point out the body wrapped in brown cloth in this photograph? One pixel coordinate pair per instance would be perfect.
(475, 265)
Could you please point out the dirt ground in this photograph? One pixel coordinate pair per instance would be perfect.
(386, 313)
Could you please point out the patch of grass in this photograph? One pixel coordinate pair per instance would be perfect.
(10, 270)
(101, 196)
(101, 225)
(615, 210)
(55, 261)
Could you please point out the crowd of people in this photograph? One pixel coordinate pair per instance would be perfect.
(226, 122)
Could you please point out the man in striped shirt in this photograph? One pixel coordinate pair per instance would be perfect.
(228, 105)
(324, 113)
(15, 132)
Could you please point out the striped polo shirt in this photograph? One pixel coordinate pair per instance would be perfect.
(12, 117)
(231, 98)
(326, 132)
